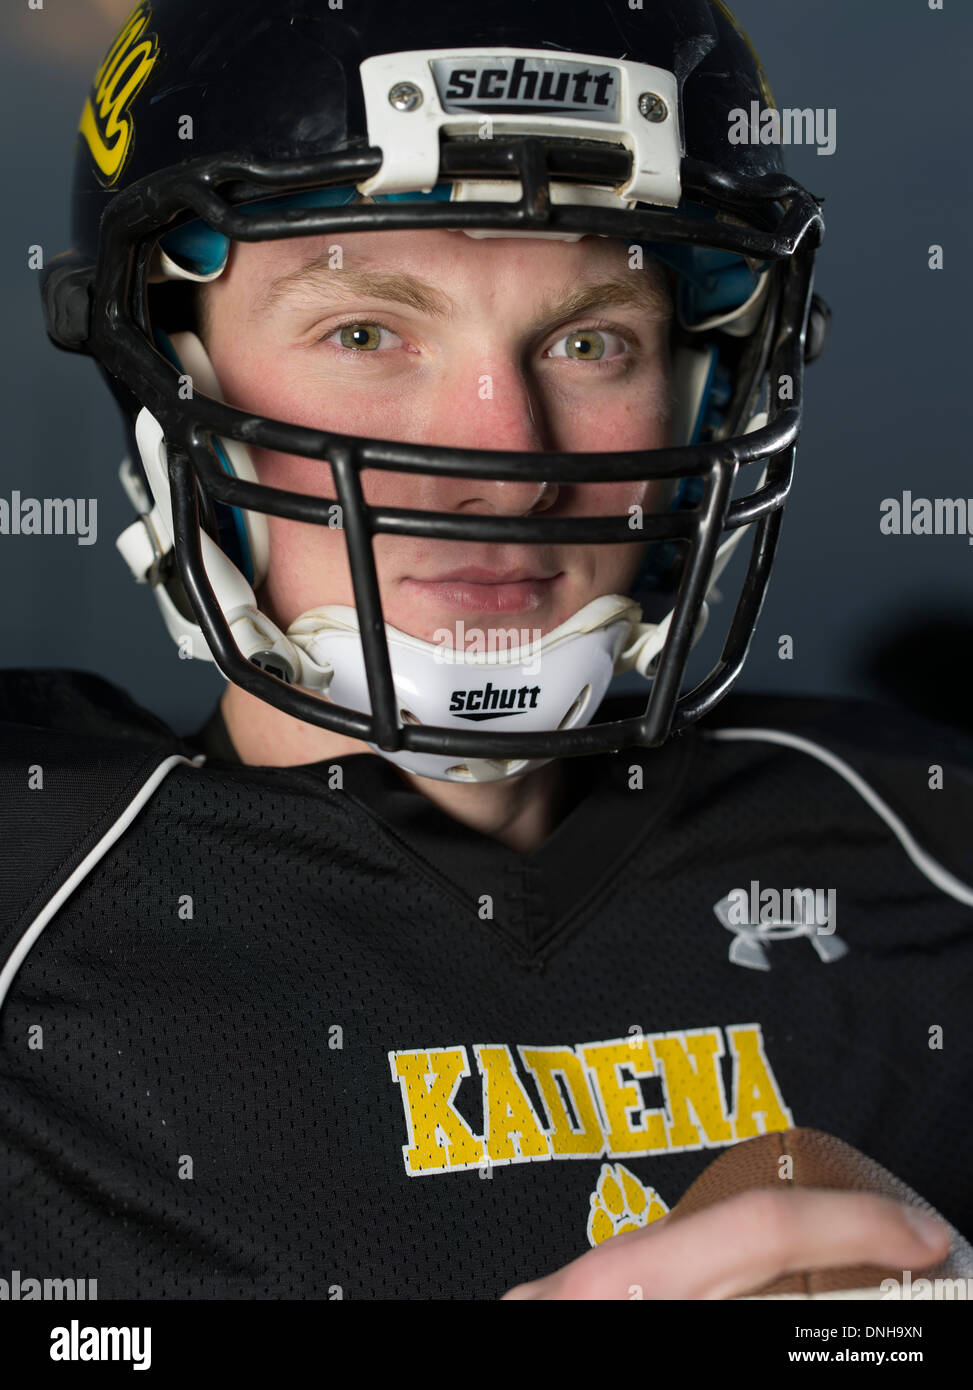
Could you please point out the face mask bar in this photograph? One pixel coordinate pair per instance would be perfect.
(784, 227)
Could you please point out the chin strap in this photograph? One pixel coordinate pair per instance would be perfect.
(326, 630)
(638, 651)
(502, 678)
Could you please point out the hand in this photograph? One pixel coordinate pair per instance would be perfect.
(740, 1244)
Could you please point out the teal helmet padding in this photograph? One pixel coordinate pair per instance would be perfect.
(203, 250)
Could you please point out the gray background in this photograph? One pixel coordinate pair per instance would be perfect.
(888, 404)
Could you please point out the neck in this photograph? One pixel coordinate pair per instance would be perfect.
(521, 812)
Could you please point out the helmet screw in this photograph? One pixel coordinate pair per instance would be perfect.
(405, 96)
(652, 107)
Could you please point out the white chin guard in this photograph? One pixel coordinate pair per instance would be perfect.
(556, 682)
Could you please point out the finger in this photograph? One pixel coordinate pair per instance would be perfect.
(739, 1245)
(743, 1243)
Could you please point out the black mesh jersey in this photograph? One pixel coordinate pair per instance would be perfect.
(286, 1033)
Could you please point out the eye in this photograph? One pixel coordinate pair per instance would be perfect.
(589, 345)
(363, 337)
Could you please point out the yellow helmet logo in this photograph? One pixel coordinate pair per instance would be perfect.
(105, 121)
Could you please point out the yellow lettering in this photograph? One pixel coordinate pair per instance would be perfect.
(511, 1130)
(691, 1073)
(547, 1063)
(439, 1137)
(755, 1089)
(619, 1098)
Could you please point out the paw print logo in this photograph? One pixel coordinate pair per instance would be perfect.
(620, 1203)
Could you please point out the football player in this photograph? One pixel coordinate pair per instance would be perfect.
(460, 351)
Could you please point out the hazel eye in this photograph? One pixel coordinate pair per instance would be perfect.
(589, 345)
(363, 337)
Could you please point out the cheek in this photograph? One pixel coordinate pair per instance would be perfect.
(290, 473)
(631, 413)
(309, 563)
(598, 427)
(613, 499)
(311, 478)
(633, 416)
(296, 387)
(613, 568)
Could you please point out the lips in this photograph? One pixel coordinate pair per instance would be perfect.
(476, 590)
(474, 575)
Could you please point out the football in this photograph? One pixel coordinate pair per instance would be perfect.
(810, 1158)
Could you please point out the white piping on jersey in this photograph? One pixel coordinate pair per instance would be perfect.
(111, 836)
(934, 871)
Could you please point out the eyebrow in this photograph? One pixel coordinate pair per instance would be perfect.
(638, 290)
(316, 276)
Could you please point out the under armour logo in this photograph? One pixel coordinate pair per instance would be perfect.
(760, 917)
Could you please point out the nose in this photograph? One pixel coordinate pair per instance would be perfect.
(498, 412)
(508, 499)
